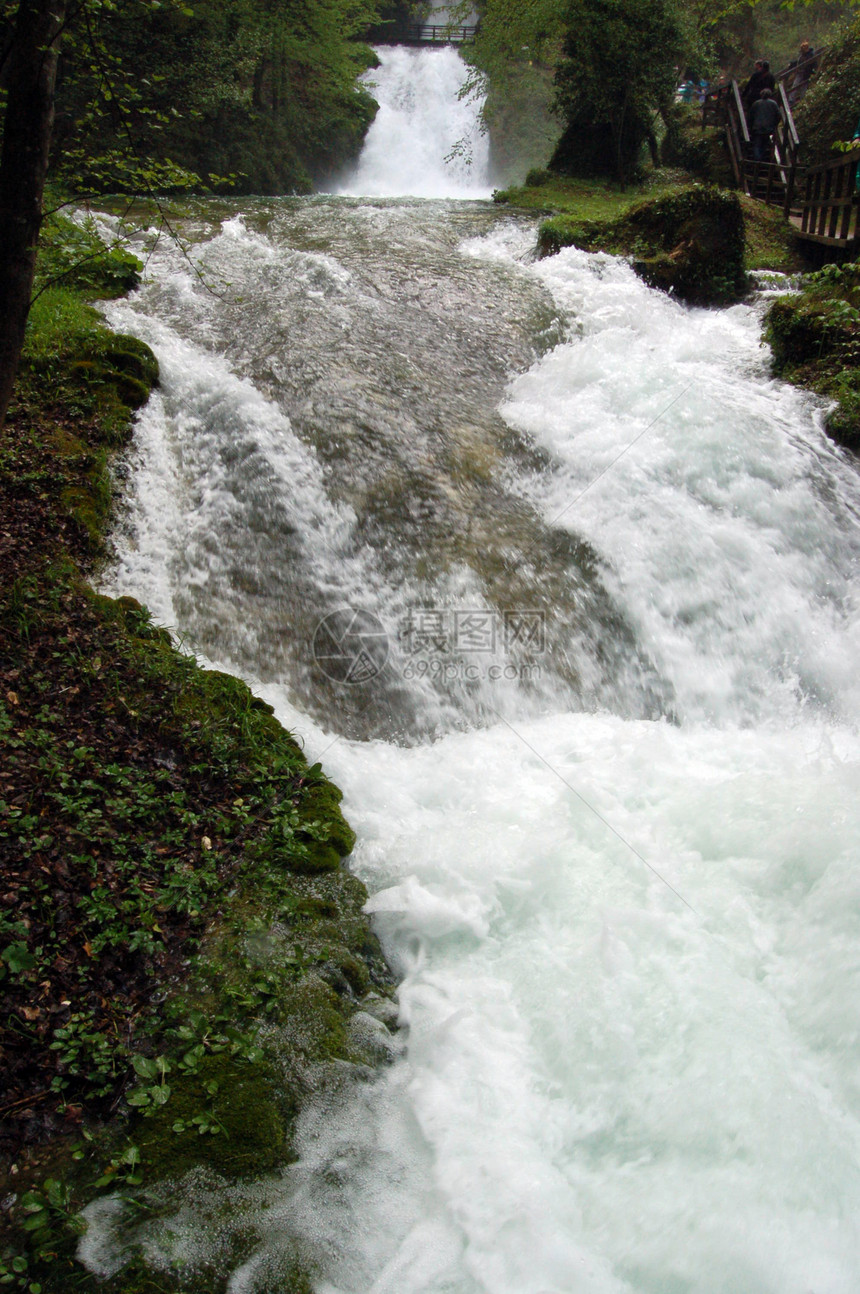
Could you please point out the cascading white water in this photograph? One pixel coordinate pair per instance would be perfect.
(624, 901)
(426, 141)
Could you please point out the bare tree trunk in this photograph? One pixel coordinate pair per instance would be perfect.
(23, 164)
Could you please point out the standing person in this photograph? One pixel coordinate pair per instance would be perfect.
(764, 117)
(761, 79)
(804, 65)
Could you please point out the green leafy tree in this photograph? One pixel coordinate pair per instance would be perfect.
(619, 65)
(150, 95)
(262, 91)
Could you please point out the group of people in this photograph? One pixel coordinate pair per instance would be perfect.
(763, 113)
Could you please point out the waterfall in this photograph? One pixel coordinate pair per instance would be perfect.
(620, 886)
(426, 140)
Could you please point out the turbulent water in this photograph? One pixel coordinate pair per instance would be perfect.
(598, 738)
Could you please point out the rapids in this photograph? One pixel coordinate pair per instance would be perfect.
(605, 772)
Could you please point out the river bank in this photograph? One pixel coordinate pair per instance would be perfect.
(184, 953)
(814, 332)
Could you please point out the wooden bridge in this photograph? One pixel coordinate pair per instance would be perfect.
(820, 201)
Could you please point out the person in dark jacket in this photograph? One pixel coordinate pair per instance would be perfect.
(764, 117)
(761, 79)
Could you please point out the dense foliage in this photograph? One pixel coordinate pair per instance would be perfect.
(241, 93)
(831, 107)
(619, 66)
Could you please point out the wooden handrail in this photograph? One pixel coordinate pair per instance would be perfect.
(437, 34)
(739, 107)
(791, 68)
(788, 116)
(830, 206)
(836, 161)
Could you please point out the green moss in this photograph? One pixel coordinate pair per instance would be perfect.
(214, 949)
(815, 339)
(243, 1112)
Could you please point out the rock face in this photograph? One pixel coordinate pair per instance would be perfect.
(814, 336)
(689, 243)
(698, 236)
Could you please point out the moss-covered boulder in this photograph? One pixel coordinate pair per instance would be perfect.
(689, 243)
(815, 339)
(694, 245)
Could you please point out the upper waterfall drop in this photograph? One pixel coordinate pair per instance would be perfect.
(426, 142)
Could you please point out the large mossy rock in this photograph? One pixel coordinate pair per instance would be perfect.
(689, 243)
(814, 336)
(695, 242)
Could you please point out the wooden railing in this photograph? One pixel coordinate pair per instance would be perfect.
(774, 181)
(439, 34)
(786, 77)
(829, 207)
(827, 212)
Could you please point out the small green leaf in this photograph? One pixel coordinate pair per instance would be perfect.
(144, 1066)
(17, 958)
(34, 1222)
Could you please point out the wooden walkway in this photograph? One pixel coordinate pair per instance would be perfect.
(430, 34)
(821, 202)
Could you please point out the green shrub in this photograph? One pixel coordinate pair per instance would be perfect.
(73, 256)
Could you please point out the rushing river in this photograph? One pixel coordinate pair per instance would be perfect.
(592, 574)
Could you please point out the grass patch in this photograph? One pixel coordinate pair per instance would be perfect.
(770, 240)
(587, 199)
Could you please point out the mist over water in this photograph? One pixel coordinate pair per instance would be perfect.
(621, 887)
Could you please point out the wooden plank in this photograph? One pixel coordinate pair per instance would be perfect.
(808, 237)
(788, 116)
(739, 108)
